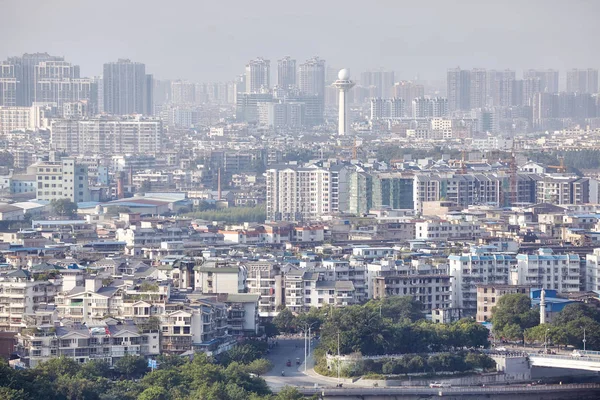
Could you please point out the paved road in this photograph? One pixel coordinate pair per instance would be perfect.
(294, 375)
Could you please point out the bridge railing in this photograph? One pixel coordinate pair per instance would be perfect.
(426, 390)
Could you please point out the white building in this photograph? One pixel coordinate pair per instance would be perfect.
(133, 135)
(298, 193)
(218, 277)
(592, 271)
(547, 270)
(62, 180)
(479, 267)
(21, 296)
(439, 229)
(17, 119)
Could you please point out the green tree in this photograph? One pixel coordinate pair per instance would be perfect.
(145, 187)
(7, 393)
(259, 367)
(64, 207)
(398, 308)
(154, 393)
(289, 393)
(95, 369)
(56, 367)
(131, 366)
(512, 315)
(285, 321)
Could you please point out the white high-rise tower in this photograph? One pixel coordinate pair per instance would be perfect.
(343, 84)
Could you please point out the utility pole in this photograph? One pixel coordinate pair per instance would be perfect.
(583, 339)
(546, 340)
(305, 349)
(338, 360)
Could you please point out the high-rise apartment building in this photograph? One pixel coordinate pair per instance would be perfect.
(59, 82)
(547, 270)
(311, 82)
(381, 81)
(582, 81)
(258, 75)
(298, 193)
(286, 72)
(8, 85)
(548, 79)
(500, 85)
(408, 91)
(459, 89)
(24, 72)
(311, 77)
(183, 92)
(478, 88)
(429, 107)
(479, 267)
(127, 88)
(130, 135)
(387, 108)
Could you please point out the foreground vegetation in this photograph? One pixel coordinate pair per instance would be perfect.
(232, 377)
(232, 215)
(514, 320)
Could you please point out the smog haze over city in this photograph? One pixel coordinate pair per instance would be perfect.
(207, 41)
(244, 200)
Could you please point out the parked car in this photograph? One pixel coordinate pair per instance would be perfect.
(501, 349)
(576, 353)
(288, 363)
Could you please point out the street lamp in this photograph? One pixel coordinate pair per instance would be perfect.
(583, 338)
(306, 341)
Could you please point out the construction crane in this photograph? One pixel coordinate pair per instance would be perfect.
(561, 169)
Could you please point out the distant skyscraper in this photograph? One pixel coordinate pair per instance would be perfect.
(478, 96)
(548, 79)
(311, 82)
(183, 92)
(459, 89)
(59, 82)
(258, 75)
(24, 73)
(127, 88)
(312, 77)
(500, 85)
(582, 81)
(408, 91)
(383, 81)
(286, 72)
(8, 85)
(343, 84)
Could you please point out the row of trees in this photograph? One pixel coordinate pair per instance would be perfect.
(176, 378)
(394, 325)
(232, 215)
(417, 363)
(514, 320)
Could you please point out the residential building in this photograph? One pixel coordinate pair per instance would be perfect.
(582, 81)
(548, 79)
(64, 179)
(479, 267)
(488, 296)
(127, 88)
(215, 277)
(547, 270)
(286, 72)
(126, 135)
(258, 75)
(20, 297)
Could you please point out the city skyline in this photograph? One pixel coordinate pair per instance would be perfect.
(518, 40)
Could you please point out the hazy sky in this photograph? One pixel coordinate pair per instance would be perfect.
(211, 40)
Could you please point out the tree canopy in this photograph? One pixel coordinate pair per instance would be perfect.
(64, 207)
(175, 379)
(512, 315)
